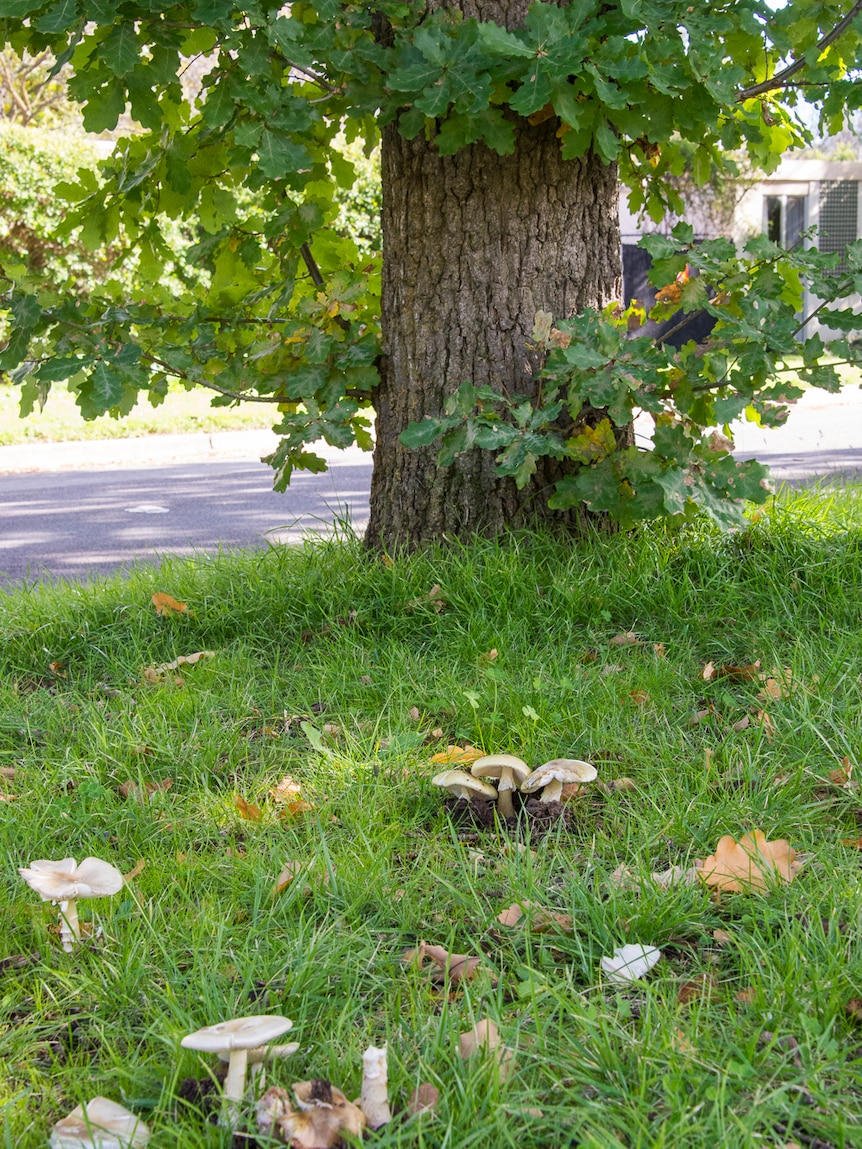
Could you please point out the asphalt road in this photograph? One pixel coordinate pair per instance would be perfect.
(78, 523)
(77, 510)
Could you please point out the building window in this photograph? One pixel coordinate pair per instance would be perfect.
(839, 218)
(785, 219)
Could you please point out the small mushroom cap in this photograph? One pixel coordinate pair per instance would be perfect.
(559, 770)
(63, 881)
(101, 1125)
(496, 765)
(240, 1033)
(462, 784)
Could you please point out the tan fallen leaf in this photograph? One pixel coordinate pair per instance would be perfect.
(708, 672)
(722, 937)
(627, 638)
(145, 792)
(681, 1043)
(772, 690)
(165, 604)
(856, 843)
(413, 714)
(288, 794)
(135, 870)
(853, 1008)
(512, 915)
(766, 723)
(247, 810)
(488, 657)
(434, 596)
(455, 967)
(612, 668)
(752, 863)
(290, 871)
(423, 1099)
(459, 754)
(843, 776)
(7, 772)
(639, 697)
(484, 1037)
(742, 724)
(8, 797)
(740, 673)
(701, 988)
(623, 879)
(540, 921)
(659, 650)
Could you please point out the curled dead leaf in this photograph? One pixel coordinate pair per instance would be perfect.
(454, 967)
(166, 604)
(135, 870)
(843, 776)
(488, 657)
(484, 1037)
(701, 988)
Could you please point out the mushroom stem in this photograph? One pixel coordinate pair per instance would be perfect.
(375, 1081)
(70, 927)
(504, 804)
(234, 1086)
(553, 792)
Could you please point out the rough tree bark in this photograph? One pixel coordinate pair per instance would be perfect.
(475, 244)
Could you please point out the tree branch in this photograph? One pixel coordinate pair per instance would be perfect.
(779, 80)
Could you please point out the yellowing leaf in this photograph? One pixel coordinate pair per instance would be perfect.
(247, 810)
(592, 444)
(461, 754)
(752, 863)
(135, 870)
(290, 871)
(165, 604)
(288, 794)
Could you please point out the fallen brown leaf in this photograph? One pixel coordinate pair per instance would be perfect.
(722, 937)
(7, 772)
(165, 604)
(853, 1008)
(144, 793)
(659, 650)
(135, 870)
(701, 988)
(423, 1099)
(752, 863)
(485, 1037)
(708, 672)
(746, 996)
(247, 810)
(455, 967)
(639, 697)
(488, 657)
(742, 724)
(766, 723)
(843, 776)
(627, 638)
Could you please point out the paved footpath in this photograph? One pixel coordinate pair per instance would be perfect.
(78, 509)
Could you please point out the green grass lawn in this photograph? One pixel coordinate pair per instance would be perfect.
(336, 668)
(182, 411)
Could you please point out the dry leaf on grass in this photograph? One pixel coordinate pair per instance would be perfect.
(701, 988)
(8, 797)
(135, 870)
(165, 604)
(434, 596)
(639, 697)
(288, 793)
(454, 967)
(144, 793)
(540, 921)
(488, 657)
(423, 1099)
(843, 776)
(628, 638)
(722, 937)
(484, 1037)
(463, 755)
(247, 810)
(623, 879)
(752, 863)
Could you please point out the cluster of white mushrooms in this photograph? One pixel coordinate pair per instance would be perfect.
(512, 774)
(243, 1043)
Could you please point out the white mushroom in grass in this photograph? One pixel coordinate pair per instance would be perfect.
(460, 784)
(239, 1042)
(64, 882)
(374, 1101)
(551, 776)
(101, 1124)
(510, 772)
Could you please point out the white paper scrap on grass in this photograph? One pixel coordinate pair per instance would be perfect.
(629, 963)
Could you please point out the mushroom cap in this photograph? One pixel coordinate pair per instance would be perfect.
(102, 1124)
(559, 770)
(463, 784)
(260, 1053)
(63, 881)
(498, 765)
(240, 1033)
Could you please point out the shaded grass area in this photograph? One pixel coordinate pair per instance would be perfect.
(182, 412)
(200, 936)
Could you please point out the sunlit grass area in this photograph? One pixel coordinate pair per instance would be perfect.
(182, 412)
(336, 668)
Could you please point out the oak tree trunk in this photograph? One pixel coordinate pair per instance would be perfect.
(474, 245)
